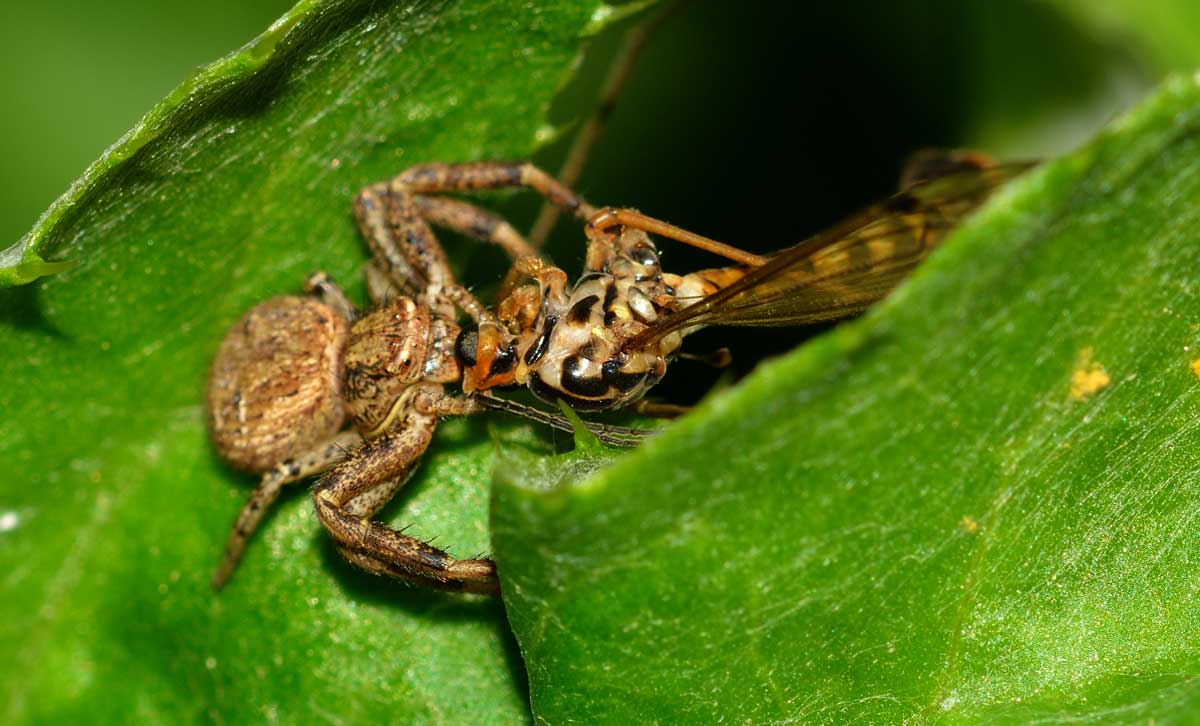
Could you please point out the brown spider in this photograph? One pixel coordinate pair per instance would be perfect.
(293, 370)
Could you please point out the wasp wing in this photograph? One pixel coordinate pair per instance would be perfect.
(848, 267)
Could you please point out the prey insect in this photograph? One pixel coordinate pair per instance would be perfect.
(303, 386)
(842, 270)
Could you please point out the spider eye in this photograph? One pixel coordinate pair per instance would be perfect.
(465, 346)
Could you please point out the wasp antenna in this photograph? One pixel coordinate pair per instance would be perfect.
(609, 434)
(719, 358)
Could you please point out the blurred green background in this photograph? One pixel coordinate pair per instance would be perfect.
(79, 73)
(751, 122)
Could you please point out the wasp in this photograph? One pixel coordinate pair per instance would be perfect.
(367, 389)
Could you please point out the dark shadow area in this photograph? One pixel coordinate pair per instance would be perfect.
(426, 604)
(760, 124)
(21, 308)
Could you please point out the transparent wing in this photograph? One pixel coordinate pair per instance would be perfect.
(832, 282)
(850, 266)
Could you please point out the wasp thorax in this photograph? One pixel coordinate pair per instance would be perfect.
(386, 353)
(578, 359)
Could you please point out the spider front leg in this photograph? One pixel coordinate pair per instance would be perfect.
(482, 175)
(394, 216)
(355, 490)
(472, 221)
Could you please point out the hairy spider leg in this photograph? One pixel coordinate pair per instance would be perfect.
(354, 491)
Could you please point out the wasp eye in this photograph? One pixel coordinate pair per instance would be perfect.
(612, 374)
(503, 361)
(644, 255)
(465, 346)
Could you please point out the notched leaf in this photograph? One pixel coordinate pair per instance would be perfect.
(542, 474)
(928, 527)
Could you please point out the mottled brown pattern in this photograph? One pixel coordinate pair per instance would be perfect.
(279, 365)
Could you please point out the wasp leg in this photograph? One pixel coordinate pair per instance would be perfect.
(355, 490)
(520, 304)
(660, 410)
(319, 459)
(633, 219)
(606, 102)
(719, 358)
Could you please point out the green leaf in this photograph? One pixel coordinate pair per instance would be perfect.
(977, 504)
(113, 509)
(1166, 33)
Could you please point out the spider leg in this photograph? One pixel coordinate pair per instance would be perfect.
(380, 287)
(355, 490)
(475, 222)
(392, 216)
(481, 175)
(329, 292)
(407, 254)
(318, 459)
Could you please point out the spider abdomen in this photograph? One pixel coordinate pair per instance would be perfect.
(275, 386)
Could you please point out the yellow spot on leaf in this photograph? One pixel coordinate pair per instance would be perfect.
(1089, 376)
(969, 525)
(1196, 367)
